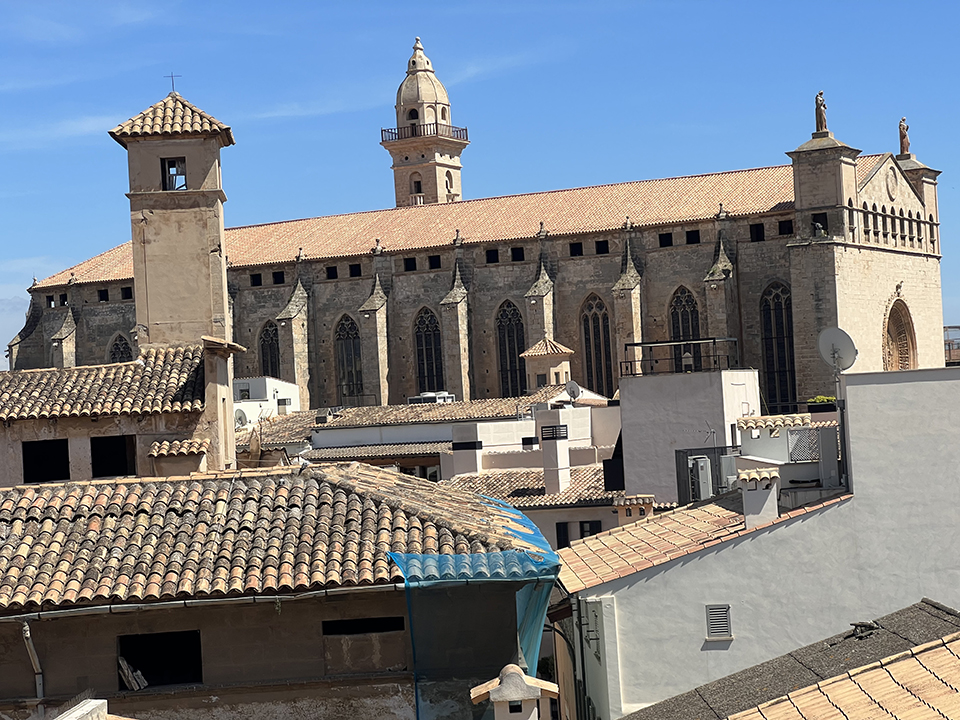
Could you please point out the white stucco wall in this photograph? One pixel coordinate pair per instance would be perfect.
(896, 541)
(661, 414)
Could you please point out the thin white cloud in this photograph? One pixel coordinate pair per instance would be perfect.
(495, 65)
(31, 138)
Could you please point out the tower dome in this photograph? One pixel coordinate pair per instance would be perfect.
(422, 98)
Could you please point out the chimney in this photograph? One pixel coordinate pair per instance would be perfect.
(556, 458)
(467, 449)
(633, 508)
(760, 490)
(514, 695)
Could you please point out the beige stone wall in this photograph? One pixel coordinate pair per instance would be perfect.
(864, 306)
(242, 646)
(79, 431)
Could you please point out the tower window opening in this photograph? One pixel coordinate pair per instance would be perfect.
(355, 270)
(516, 254)
(50, 301)
(126, 293)
(413, 115)
(433, 262)
(174, 173)
(493, 256)
(278, 277)
(103, 295)
(449, 182)
(63, 299)
(256, 279)
(756, 232)
(602, 247)
(693, 237)
(785, 227)
(666, 239)
(576, 249)
(443, 114)
(332, 272)
(409, 264)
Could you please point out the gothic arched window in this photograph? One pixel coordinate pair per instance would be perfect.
(779, 372)
(349, 370)
(269, 351)
(685, 325)
(900, 345)
(511, 341)
(429, 352)
(597, 357)
(120, 350)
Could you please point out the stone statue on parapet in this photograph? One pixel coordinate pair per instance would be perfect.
(904, 137)
(821, 113)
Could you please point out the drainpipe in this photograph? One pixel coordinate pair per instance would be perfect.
(35, 661)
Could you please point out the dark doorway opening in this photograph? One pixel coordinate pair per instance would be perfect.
(169, 658)
(46, 461)
(113, 455)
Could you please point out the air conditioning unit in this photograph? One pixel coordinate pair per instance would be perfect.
(701, 477)
(430, 398)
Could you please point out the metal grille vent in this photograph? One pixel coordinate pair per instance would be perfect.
(554, 432)
(718, 622)
(804, 445)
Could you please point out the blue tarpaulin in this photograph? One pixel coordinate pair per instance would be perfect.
(538, 566)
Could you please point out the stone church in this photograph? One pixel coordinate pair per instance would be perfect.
(740, 268)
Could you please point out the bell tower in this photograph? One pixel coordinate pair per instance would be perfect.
(176, 213)
(425, 144)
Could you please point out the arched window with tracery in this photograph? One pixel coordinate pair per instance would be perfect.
(346, 342)
(597, 355)
(429, 352)
(511, 341)
(120, 350)
(900, 344)
(866, 223)
(269, 350)
(685, 325)
(779, 371)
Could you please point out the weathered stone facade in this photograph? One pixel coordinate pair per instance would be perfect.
(768, 257)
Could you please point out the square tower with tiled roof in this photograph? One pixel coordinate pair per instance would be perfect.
(176, 213)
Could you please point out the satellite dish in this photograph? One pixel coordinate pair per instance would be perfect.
(573, 390)
(837, 348)
(239, 418)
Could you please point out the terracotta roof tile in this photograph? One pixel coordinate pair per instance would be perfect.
(485, 409)
(384, 451)
(160, 380)
(281, 430)
(524, 488)
(563, 212)
(917, 684)
(156, 539)
(546, 347)
(179, 447)
(655, 541)
(773, 422)
(172, 117)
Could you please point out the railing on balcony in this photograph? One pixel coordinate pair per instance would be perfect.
(681, 356)
(425, 130)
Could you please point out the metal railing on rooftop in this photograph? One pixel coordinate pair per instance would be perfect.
(681, 356)
(425, 130)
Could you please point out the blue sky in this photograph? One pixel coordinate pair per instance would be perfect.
(555, 94)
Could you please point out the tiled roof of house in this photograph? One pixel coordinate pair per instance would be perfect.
(172, 117)
(485, 409)
(866, 165)
(281, 430)
(758, 474)
(384, 451)
(160, 380)
(546, 347)
(523, 487)
(866, 643)
(168, 448)
(917, 684)
(631, 548)
(252, 532)
(773, 422)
